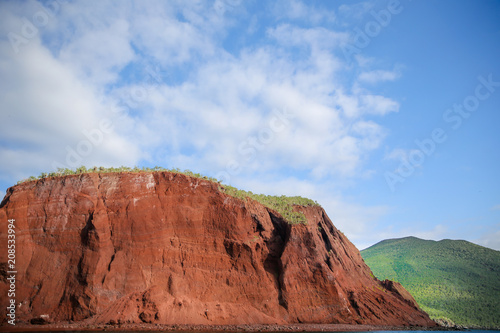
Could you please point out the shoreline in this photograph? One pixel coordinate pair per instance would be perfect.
(60, 327)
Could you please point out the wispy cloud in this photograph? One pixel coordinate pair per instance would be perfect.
(490, 238)
(397, 154)
(47, 109)
(172, 93)
(299, 10)
(355, 11)
(373, 77)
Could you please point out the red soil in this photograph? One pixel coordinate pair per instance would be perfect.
(165, 248)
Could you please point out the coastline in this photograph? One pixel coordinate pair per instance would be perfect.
(61, 327)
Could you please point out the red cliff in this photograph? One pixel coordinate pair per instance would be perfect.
(167, 248)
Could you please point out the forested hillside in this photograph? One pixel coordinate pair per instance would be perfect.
(450, 279)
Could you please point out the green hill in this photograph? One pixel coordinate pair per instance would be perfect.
(450, 279)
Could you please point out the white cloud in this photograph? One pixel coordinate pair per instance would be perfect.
(438, 232)
(364, 61)
(359, 223)
(400, 154)
(378, 105)
(45, 109)
(376, 76)
(490, 239)
(98, 55)
(215, 108)
(359, 103)
(170, 41)
(397, 154)
(239, 105)
(228, 100)
(371, 133)
(317, 38)
(355, 11)
(496, 207)
(298, 10)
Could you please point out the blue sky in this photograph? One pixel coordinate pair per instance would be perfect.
(385, 112)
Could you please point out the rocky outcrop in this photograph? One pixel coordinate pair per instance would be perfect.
(398, 289)
(167, 248)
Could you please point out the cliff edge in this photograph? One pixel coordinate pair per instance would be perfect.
(167, 248)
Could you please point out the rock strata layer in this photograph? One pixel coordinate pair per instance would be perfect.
(171, 249)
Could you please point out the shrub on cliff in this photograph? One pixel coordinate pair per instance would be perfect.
(282, 204)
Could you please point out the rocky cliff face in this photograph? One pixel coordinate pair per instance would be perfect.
(168, 248)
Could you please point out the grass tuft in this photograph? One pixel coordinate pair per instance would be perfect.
(281, 204)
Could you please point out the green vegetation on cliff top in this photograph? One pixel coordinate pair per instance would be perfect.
(450, 279)
(281, 204)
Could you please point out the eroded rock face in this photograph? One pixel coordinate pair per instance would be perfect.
(167, 248)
